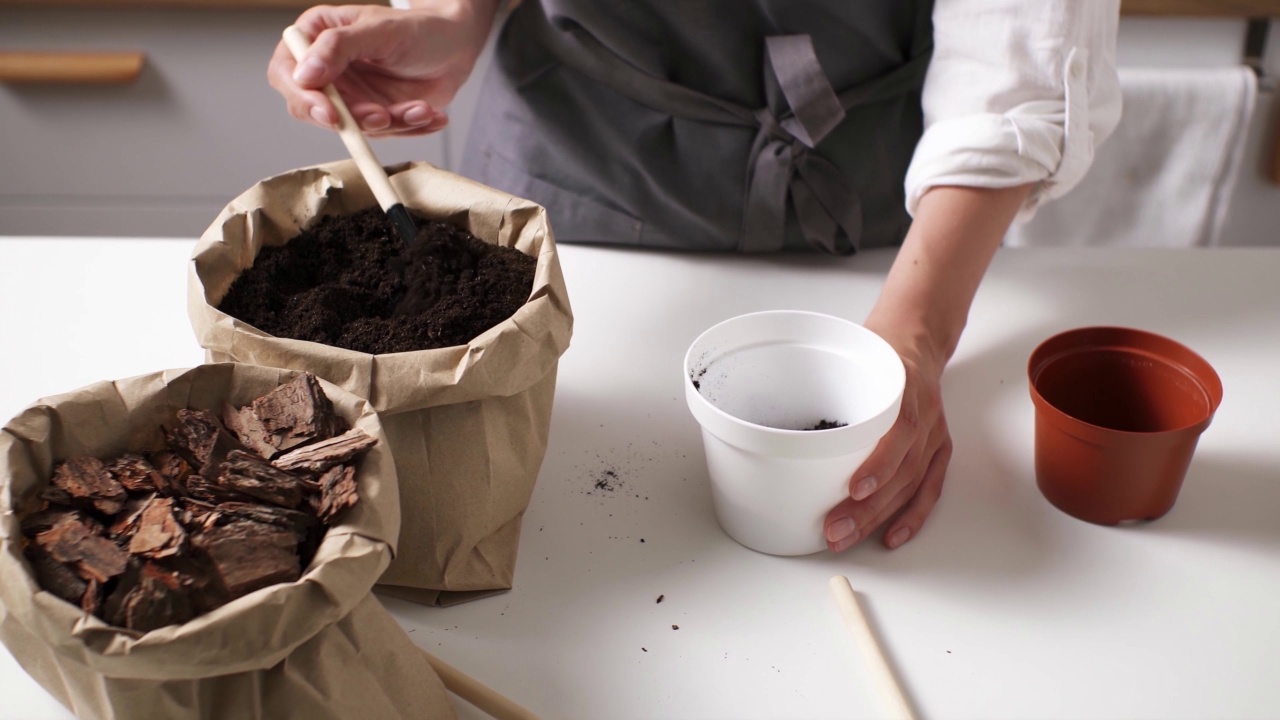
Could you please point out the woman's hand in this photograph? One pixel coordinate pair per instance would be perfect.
(395, 69)
(921, 312)
(899, 483)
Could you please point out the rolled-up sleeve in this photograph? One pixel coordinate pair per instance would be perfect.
(1017, 92)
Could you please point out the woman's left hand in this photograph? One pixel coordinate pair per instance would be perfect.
(921, 312)
(900, 482)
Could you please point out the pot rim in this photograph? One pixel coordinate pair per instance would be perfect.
(1141, 342)
(784, 442)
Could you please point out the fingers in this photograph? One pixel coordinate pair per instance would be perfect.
(851, 522)
(883, 482)
(917, 509)
(306, 105)
(910, 493)
(301, 83)
(414, 114)
(321, 66)
(374, 118)
(380, 62)
(337, 40)
(341, 36)
(314, 23)
(318, 18)
(418, 118)
(437, 123)
(371, 117)
(403, 119)
(892, 452)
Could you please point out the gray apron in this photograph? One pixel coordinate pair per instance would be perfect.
(749, 125)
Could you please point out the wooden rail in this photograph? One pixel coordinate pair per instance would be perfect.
(187, 4)
(1202, 8)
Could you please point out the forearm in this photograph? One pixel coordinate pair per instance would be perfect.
(931, 285)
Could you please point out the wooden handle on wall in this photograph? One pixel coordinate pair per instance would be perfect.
(101, 68)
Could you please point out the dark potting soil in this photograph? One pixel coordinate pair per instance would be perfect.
(827, 425)
(338, 283)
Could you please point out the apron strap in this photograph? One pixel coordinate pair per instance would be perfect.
(802, 109)
(580, 50)
(791, 67)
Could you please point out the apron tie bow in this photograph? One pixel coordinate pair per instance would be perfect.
(781, 163)
(801, 110)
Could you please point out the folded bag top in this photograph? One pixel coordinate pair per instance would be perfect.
(504, 360)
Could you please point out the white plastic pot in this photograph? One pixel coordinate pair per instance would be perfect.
(756, 383)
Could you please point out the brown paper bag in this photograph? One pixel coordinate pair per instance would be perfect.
(319, 648)
(467, 424)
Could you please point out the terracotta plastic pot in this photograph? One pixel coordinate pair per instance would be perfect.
(1118, 415)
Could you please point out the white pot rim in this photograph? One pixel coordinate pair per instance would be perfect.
(779, 442)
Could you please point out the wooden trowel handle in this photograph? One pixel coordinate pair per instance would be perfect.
(355, 141)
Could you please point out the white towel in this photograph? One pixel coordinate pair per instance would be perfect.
(1165, 176)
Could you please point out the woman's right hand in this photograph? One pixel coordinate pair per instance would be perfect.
(395, 69)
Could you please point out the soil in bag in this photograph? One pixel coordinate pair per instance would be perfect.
(340, 283)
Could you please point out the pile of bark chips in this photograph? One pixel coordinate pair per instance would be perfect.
(233, 503)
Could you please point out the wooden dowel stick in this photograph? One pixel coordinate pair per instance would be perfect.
(886, 682)
(477, 693)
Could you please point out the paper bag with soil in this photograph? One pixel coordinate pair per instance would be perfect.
(320, 647)
(467, 424)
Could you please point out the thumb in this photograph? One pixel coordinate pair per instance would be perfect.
(333, 50)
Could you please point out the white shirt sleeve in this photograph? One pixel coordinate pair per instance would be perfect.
(1018, 91)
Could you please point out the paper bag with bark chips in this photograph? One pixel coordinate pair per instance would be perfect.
(467, 424)
(321, 647)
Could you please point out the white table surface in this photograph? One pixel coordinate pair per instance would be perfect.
(1003, 607)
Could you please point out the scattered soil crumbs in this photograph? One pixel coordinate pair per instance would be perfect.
(827, 425)
(232, 504)
(607, 480)
(339, 283)
(675, 627)
(615, 473)
(660, 597)
(696, 378)
(699, 370)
